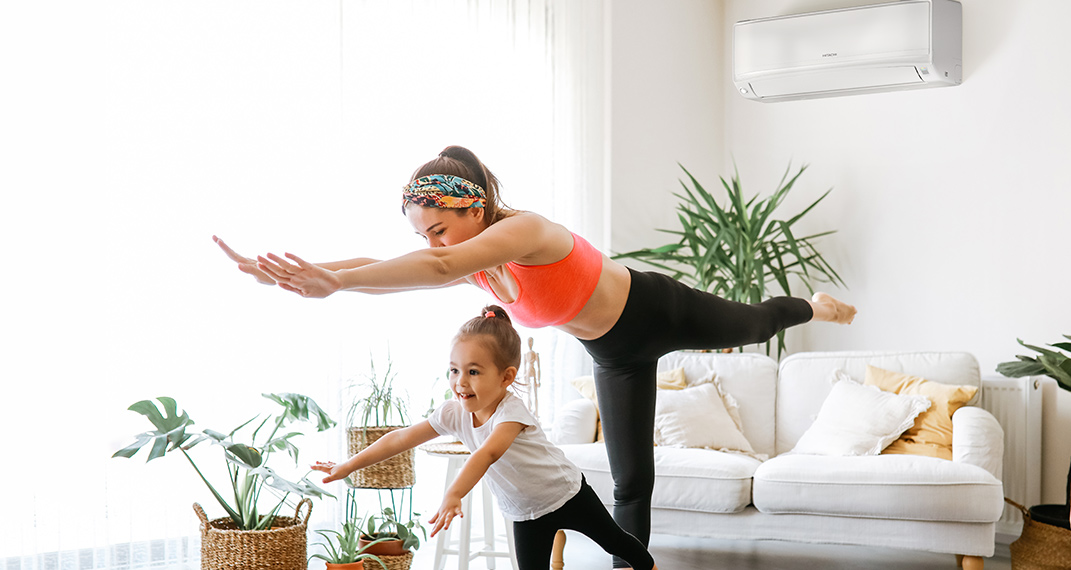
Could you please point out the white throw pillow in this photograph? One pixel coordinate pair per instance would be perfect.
(859, 420)
(697, 417)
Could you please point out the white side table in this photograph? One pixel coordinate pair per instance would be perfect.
(485, 546)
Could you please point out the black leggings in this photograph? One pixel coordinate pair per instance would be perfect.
(534, 539)
(660, 316)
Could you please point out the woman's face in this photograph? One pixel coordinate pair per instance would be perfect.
(442, 227)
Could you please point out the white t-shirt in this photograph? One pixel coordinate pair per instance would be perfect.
(533, 477)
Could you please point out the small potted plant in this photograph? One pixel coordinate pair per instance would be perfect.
(391, 538)
(343, 550)
(376, 411)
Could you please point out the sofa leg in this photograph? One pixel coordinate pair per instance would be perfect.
(970, 562)
(557, 560)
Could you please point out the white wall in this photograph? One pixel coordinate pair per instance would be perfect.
(951, 204)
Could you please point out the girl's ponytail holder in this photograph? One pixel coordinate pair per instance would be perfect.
(489, 315)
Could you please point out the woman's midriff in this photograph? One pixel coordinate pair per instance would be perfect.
(604, 306)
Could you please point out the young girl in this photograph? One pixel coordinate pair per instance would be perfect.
(546, 275)
(536, 486)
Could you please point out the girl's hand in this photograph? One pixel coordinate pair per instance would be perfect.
(334, 472)
(245, 265)
(305, 279)
(450, 508)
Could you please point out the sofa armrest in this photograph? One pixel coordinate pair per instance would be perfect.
(978, 439)
(575, 422)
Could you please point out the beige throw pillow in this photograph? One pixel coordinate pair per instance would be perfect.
(668, 380)
(931, 435)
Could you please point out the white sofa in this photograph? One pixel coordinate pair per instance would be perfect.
(899, 501)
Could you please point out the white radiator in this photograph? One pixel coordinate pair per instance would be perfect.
(1016, 403)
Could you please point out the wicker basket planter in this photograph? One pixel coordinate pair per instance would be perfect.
(282, 548)
(398, 472)
(1041, 546)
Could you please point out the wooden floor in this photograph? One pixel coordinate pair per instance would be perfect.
(678, 553)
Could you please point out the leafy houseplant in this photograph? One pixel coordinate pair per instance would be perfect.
(738, 250)
(386, 527)
(375, 412)
(342, 549)
(246, 463)
(1057, 366)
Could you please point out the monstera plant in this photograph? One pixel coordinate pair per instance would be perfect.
(740, 250)
(247, 463)
(1056, 365)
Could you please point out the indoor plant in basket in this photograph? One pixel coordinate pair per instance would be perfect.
(377, 410)
(343, 550)
(738, 250)
(1046, 538)
(391, 538)
(249, 537)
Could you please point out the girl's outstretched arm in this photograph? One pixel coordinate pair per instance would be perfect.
(384, 448)
(475, 468)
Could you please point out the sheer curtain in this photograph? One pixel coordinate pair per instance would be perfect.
(133, 131)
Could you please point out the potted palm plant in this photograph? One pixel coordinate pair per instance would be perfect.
(344, 551)
(376, 410)
(250, 536)
(740, 250)
(1056, 365)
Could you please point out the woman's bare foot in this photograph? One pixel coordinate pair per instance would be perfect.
(826, 308)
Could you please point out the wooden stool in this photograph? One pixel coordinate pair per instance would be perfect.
(457, 454)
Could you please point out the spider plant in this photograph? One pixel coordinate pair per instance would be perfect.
(246, 463)
(379, 406)
(739, 251)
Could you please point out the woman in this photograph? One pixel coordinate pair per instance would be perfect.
(545, 275)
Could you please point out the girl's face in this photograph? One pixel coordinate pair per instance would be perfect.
(475, 379)
(443, 227)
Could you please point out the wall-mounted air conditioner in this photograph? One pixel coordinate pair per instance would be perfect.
(865, 49)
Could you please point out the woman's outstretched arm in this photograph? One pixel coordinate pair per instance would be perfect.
(518, 239)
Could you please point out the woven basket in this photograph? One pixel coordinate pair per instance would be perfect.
(223, 547)
(398, 472)
(402, 562)
(1041, 546)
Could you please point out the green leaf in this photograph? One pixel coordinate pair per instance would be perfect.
(1020, 369)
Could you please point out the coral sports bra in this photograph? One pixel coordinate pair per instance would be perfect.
(549, 295)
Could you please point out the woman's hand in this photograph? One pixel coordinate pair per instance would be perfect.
(304, 278)
(450, 508)
(245, 264)
(334, 472)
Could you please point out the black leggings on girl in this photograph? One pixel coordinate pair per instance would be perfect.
(583, 513)
(662, 315)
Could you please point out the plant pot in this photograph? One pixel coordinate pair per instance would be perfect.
(385, 548)
(1056, 515)
(224, 547)
(359, 565)
(1040, 546)
(398, 472)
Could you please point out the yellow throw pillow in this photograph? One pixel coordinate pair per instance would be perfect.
(668, 380)
(931, 435)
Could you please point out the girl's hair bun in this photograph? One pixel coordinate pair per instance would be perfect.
(495, 312)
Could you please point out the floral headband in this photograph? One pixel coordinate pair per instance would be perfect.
(444, 191)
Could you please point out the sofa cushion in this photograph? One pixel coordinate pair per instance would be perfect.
(686, 479)
(931, 435)
(698, 417)
(751, 379)
(803, 382)
(902, 487)
(859, 420)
